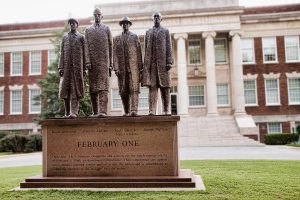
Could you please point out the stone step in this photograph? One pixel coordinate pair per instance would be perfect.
(185, 179)
(212, 131)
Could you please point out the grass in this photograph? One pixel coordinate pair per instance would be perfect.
(5, 153)
(293, 145)
(223, 180)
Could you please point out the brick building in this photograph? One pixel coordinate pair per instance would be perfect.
(236, 69)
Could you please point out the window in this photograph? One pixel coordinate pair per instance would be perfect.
(248, 51)
(294, 90)
(194, 52)
(221, 51)
(222, 95)
(51, 57)
(292, 48)
(35, 63)
(1, 64)
(143, 98)
(274, 127)
(16, 64)
(34, 101)
(1, 102)
(250, 92)
(272, 92)
(269, 50)
(196, 95)
(16, 102)
(116, 100)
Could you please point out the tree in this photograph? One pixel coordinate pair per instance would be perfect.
(52, 105)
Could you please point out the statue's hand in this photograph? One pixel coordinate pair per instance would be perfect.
(61, 72)
(88, 66)
(117, 72)
(169, 66)
(141, 75)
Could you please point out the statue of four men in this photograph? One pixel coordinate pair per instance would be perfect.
(98, 53)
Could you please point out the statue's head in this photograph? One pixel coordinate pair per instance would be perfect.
(125, 23)
(73, 23)
(157, 18)
(97, 15)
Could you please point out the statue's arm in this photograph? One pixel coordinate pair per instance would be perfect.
(115, 55)
(86, 52)
(169, 48)
(110, 46)
(61, 58)
(139, 54)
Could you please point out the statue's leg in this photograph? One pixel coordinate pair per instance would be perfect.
(152, 100)
(165, 97)
(103, 101)
(94, 100)
(125, 101)
(74, 107)
(67, 107)
(134, 102)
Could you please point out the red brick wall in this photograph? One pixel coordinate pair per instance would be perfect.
(24, 80)
(281, 67)
(263, 129)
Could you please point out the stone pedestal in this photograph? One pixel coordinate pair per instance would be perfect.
(110, 152)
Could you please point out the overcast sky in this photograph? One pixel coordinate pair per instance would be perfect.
(18, 11)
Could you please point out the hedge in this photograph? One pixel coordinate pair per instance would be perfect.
(281, 139)
(21, 143)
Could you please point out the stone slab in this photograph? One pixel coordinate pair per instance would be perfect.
(110, 146)
(185, 181)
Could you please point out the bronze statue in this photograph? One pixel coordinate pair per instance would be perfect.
(71, 69)
(157, 63)
(128, 66)
(98, 52)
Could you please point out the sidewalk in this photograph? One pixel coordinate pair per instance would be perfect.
(195, 153)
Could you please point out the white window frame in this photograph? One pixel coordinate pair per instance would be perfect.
(263, 50)
(253, 51)
(16, 88)
(278, 89)
(226, 51)
(200, 53)
(30, 88)
(11, 64)
(30, 64)
(228, 95)
(112, 105)
(297, 39)
(289, 97)
(2, 72)
(204, 98)
(268, 128)
(256, 99)
(144, 108)
(3, 99)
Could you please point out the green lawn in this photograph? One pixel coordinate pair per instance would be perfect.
(5, 153)
(223, 179)
(294, 145)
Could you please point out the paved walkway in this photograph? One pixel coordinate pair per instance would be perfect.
(197, 153)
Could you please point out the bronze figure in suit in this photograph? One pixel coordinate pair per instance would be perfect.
(128, 66)
(98, 54)
(71, 69)
(157, 63)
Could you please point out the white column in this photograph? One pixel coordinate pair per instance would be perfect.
(237, 74)
(211, 85)
(182, 86)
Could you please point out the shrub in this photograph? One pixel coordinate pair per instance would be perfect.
(13, 143)
(281, 139)
(3, 134)
(34, 143)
